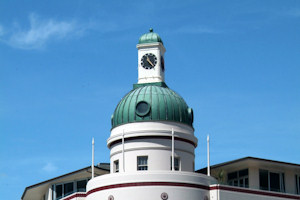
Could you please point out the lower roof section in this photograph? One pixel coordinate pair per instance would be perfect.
(36, 191)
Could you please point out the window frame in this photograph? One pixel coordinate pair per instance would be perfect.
(62, 184)
(176, 167)
(73, 188)
(297, 183)
(76, 184)
(116, 166)
(142, 167)
(237, 180)
(281, 180)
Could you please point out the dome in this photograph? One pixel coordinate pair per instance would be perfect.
(150, 37)
(152, 102)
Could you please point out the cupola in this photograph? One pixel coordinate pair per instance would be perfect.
(152, 126)
(150, 37)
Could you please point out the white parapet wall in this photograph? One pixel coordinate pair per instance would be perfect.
(222, 192)
(76, 196)
(150, 185)
(152, 139)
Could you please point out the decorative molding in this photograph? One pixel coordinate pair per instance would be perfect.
(188, 185)
(151, 137)
(151, 148)
(196, 186)
(137, 184)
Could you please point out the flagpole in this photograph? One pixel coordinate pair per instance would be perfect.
(208, 158)
(93, 149)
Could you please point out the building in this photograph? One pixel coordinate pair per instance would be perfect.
(152, 156)
(61, 186)
(257, 173)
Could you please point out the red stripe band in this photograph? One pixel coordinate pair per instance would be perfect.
(189, 185)
(151, 137)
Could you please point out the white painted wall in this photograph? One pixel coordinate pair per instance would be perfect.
(155, 74)
(247, 194)
(159, 151)
(150, 192)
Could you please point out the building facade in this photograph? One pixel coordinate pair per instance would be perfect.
(152, 146)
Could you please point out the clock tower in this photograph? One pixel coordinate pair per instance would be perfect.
(151, 58)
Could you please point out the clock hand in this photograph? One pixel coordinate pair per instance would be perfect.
(149, 61)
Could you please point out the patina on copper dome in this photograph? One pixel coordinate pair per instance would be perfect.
(150, 37)
(152, 102)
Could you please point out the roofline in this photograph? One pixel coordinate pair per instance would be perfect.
(64, 175)
(249, 158)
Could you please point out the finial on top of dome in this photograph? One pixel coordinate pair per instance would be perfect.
(151, 29)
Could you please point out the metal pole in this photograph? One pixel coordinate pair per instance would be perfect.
(208, 164)
(173, 149)
(93, 149)
(123, 151)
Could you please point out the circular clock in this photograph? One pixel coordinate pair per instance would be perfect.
(148, 61)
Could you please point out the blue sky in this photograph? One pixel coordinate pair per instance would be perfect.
(66, 64)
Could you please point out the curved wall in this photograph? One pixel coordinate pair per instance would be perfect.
(149, 186)
(152, 139)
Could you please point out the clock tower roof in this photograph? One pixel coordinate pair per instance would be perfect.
(150, 37)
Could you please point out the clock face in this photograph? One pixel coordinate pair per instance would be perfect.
(149, 61)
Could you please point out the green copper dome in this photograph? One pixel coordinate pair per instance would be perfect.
(150, 37)
(152, 102)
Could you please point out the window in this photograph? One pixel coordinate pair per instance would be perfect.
(68, 188)
(176, 163)
(59, 191)
(116, 166)
(271, 181)
(142, 163)
(64, 189)
(239, 178)
(81, 186)
(297, 184)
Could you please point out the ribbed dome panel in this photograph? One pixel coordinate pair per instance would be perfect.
(152, 103)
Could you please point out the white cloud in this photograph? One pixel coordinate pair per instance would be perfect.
(40, 32)
(49, 167)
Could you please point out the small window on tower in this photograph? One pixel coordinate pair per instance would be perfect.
(176, 163)
(116, 166)
(142, 163)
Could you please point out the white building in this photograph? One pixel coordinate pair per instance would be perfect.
(152, 156)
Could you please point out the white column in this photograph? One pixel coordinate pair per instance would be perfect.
(49, 195)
